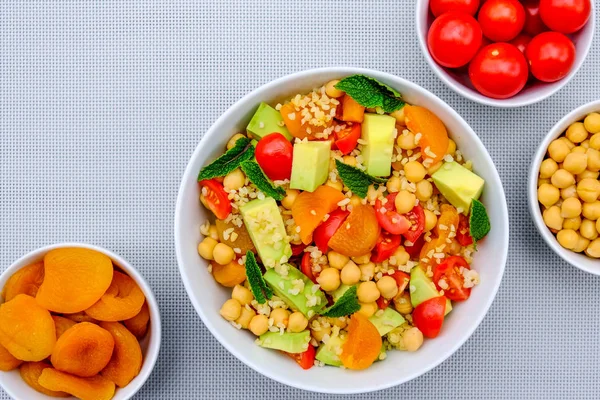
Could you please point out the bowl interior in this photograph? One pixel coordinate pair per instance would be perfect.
(18, 389)
(580, 261)
(458, 80)
(207, 296)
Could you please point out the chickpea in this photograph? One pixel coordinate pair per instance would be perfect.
(571, 223)
(259, 324)
(297, 322)
(355, 201)
(405, 201)
(281, 317)
(402, 303)
(245, 317)
(431, 170)
(223, 254)
(365, 258)
(367, 292)
(579, 150)
(451, 147)
(588, 174)
(329, 279)
(575, 163)
(206, 248)
(393, 184)
(231, 310)
(424, 190)
(319, 334)
(372, 193)
(569, 144)
(558, 150)
(368, 309)
(592, 122)
(543, 181)
(562, 179)
(595, 141)
(598, 225)
(387, 286)
(234, 138)
(242, 294)
(548, 195)
(585, 144)
(399, 115)
(569, 192)
(593, 249)
(593, 160)
(588, 190)
(567, 238)
(234, 180)
(591, 211)
(337, 260)
(290, 198)
(367, 271)
(213, 232)
(340, 322)
(336, 185)
(412, 338)
(588, 229)
(406, 140)
(331, 90)
(553, 218)
(350, 274)
(548, 168)
(401, 256)
(570, 208)
(430, 220)
(415, 171)
(576, 132)
(582, 244)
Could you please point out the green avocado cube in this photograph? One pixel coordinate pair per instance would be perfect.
(458, 185)
(288, 342)
(310, 165)
(386, 320)
(266, 120)
(378, 132)
(328, 353)
(422, 289)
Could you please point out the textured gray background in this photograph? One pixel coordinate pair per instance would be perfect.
(102, 104)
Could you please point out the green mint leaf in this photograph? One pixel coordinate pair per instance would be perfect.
(371, 93)
(356, 180)
(479, 221)
(346, 305)
(257, 284)
(262, 182)
(229, 161)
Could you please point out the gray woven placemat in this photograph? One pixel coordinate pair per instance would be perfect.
(102, 104)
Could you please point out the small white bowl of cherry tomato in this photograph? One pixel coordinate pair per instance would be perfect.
(505, 53)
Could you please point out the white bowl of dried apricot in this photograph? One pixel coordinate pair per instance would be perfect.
(76, 320)
(564, 188)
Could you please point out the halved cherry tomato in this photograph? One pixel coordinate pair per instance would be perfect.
(347, 139)
(298, 249)
(385, 247)
(307, 359)
(306, 267)
(388, 218)
(325, 231)
(416, 216)
(214, 197)
(274, 155)
(402, 280)
(449, 271)
(429, 316)
(383, 303)
(463, 233)
(414, 250)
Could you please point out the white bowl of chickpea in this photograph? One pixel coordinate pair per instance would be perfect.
(564, 188)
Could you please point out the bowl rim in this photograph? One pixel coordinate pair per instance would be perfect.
(575, 259)
(511, 102)
(154, 345)
(231, 112)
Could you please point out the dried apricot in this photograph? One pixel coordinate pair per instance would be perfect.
(126, 361)
(92, 388)
(75, 279)
(310, 208)
(80, 317)
(30, 373)
(434, 136)
(83, 350)
(7, 361)
(26, 329)
(358, 234)
(242, 240)
(62, 324)
(123, 300)
(230, 274)
(27, 280)
(138, 325)
(363, 345)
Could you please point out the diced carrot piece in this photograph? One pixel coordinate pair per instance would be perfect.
(434, 136)
(351, 110)
(309, 209)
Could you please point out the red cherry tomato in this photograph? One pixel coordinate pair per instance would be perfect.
(274, 155)
(325, 231)
(347, 139)
(385, 247)
(214, 197)
(533, 22)
(454, 39)
(429, 316)
(521, 42)
(565, 16)
(402, 280)
(382, 303)
(414, 250)
(463, 233)
(449, 271)
(307, 268)
(305, 360)
(499, 71)
(438, 7)
(501, 20)
(551, 56)
(416, 216)
(388, 217)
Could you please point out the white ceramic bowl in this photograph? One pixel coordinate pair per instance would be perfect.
(11, 381)
(532, 93)
(207, 296)
(580, 261)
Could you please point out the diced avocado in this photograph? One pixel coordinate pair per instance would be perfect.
(459, 185)
(266, 120)
(298, 292)
(288, 342)
(310, 165)
(267, 231)
(387, 320)
(378, 132)
(339, 292)
(422, 288)
(327, 353)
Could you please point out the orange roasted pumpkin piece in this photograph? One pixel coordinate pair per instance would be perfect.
(358, 234)
(434, 136)
(310, 208)
(62, 324)
(26, 329)
(230, 274)
(74, 279)
(27, 280)
(83, 350)
(138, 325)
(7, 361)
(93, 388)
(123, 300)
(126, 361)
(363, 344)
(30, 373)
(351, 110)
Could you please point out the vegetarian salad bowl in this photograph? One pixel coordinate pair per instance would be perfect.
(341, 222)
